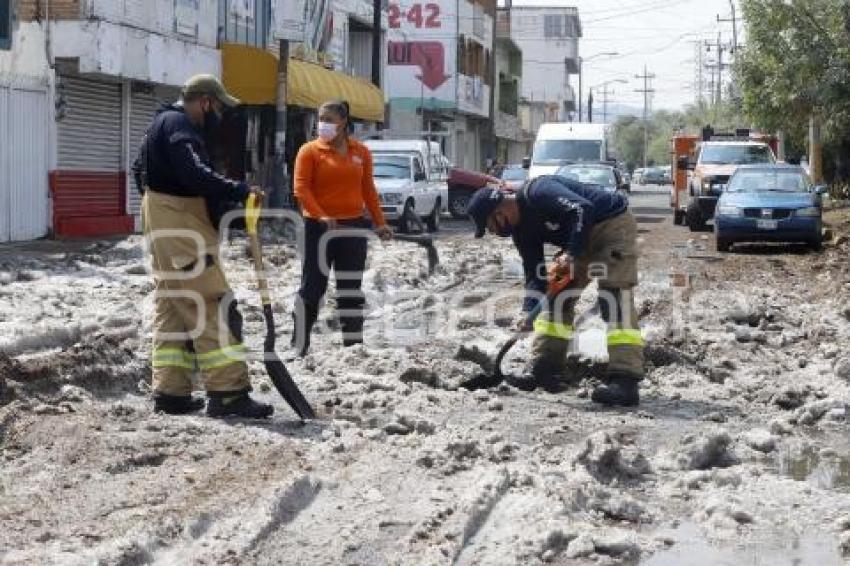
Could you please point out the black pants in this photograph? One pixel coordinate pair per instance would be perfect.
(347, 256)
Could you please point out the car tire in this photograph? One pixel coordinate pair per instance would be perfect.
(405, 222)
(458, 203)
(433, 220)
(722, 244)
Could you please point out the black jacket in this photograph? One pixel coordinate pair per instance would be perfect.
(558, 211)
(173, 159)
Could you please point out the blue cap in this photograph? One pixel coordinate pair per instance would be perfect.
(481, 206)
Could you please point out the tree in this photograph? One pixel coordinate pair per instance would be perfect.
(796, 65)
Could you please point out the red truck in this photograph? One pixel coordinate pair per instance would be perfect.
(462, 184)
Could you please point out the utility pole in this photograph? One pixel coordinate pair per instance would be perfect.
(734, 21)
(376, 43)
(717, 80)
(605, 103)
(646, 91)
(281, 175)
(580, 92)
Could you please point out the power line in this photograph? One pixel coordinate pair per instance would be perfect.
(647, 90)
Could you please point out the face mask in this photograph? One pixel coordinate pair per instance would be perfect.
(326, 130)
(212, 120)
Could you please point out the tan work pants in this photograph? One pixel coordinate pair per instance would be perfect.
(191, 331)
(610, 258)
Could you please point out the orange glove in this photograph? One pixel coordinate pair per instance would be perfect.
(559, 273)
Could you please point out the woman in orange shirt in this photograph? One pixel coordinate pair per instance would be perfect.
(333, 185)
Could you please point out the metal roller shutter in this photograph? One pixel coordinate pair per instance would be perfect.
(90, 132)
(90, 183)
(143, 107)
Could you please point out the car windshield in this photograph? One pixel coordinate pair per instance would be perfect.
(388, 167)
(736, 154)
(589, 175)
(514, 174)
(560, 151)
(770, 181)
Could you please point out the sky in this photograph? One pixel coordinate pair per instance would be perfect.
(657, 33)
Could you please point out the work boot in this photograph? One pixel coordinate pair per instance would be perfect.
(238, 405)
(619, 391)
(176, 404)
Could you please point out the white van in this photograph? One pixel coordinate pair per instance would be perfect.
(560, 143)
(411, 178)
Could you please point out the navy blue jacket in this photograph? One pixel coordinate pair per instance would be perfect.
(174, 160)
(558, 211)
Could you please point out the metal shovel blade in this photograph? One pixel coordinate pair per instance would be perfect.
(426, 242)
(280, 376)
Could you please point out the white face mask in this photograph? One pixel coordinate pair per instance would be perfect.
(326, 130)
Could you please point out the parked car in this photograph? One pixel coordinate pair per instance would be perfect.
(461, 185)
(513, 177)
(653, 176)
(606, 177)
(769, 203)
(637, 177)
(405, 191)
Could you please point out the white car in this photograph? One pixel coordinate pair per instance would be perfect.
(406, 193)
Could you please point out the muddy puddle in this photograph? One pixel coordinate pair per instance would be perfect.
(778, 549)
(825, 470)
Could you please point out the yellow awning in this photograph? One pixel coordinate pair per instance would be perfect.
(250, 74)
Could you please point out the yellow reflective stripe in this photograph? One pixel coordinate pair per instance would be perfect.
(222, 357)
(173, 357)
(624, 337)
(554, 329)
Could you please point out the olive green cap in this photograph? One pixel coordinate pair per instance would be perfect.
(210, 86)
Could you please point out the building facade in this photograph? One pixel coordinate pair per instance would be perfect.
(511, 138)
(96, 70)
(439, 77)
(549, 40)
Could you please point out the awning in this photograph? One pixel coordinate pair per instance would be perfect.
(250, 74)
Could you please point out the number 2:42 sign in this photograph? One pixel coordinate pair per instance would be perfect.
(420, 15)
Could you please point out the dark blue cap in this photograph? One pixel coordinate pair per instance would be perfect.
(481, 206)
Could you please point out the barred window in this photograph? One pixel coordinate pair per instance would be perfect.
(554, 26)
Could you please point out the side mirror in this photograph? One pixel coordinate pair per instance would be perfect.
(420, 176)
(526, 162)
(821, 189)
(627, 187)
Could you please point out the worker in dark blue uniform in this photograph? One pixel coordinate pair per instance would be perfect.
(597, 235)
(196, 324)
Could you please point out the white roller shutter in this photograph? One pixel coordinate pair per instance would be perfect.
(90, 131)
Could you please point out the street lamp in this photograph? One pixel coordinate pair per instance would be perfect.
(581, 61)
(604, 86)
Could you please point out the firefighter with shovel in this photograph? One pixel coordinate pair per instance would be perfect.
(196, 323)
(597, 235)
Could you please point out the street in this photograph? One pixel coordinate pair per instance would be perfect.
(738, 453)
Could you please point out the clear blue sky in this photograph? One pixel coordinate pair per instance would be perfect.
(657, 33)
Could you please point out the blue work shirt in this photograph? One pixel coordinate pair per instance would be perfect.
(559, 211)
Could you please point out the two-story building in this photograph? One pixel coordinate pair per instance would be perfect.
(440, 66)
(511, 139)
(549, 39)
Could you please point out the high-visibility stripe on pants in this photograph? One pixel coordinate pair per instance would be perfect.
(222, 357)
(174, 357)
(625, 337)
(553, 329)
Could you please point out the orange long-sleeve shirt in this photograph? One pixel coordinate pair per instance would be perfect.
(331, 185)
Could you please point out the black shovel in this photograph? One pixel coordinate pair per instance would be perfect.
(278, 373)
(426, 242)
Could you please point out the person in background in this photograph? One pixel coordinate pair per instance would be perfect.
(333, 184)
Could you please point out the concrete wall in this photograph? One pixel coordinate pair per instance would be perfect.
(26, 63)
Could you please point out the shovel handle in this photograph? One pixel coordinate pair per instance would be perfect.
(253, 208)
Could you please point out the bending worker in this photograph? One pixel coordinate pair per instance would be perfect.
(597, 235)
(196, 324)
(333, 185)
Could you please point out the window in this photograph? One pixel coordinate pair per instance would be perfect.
(553, 26)
(5, 24)
(418, 171)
